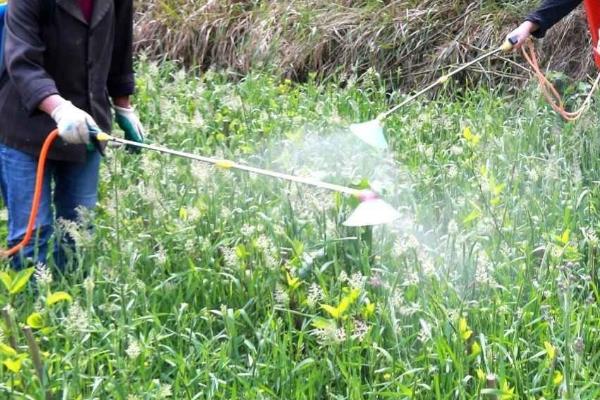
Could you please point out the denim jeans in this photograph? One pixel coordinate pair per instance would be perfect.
(75, 185)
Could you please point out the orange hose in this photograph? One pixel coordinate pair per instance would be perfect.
(548, 89)
(37, 196)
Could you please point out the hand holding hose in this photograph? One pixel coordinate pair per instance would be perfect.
(74, 125)
(522, 33)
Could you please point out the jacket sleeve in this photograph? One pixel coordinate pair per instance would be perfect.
(549, 13)
(24, 53)
(121, 80)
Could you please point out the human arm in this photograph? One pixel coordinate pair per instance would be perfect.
(121, 83)
(539, 21)
(24, 55)
(24, 59)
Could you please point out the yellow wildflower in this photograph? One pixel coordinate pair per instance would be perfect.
(471, 138)
(557, 378)
(507, 392)
(463, 329)
(550, 350)
(480, 374)
(475, 349)
(293, 282)
(369, 310)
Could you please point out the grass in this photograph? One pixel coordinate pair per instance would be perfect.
(403, 40)
(210, 284)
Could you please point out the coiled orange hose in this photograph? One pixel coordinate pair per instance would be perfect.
(37, 196)
(548, 89)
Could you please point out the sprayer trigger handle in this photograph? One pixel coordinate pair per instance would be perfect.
(513, 40)
(95, 141)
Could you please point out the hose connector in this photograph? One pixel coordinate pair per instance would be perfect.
(443, 79)
(225, 164)
(365, 195)
(509, 43)
(103, 137)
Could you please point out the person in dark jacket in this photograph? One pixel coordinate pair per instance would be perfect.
(545, 17)
(66, 64)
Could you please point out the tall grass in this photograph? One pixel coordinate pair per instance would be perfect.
(403, 40)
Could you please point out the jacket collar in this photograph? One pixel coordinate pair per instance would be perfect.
(101, 7)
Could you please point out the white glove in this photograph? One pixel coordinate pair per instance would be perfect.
(74, 125)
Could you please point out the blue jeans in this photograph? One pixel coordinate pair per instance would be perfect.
(75, 186)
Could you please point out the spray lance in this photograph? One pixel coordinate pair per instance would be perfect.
(372, 210)
(371, 132)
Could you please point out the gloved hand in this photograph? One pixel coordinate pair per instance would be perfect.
(74, 125)
(128, 120)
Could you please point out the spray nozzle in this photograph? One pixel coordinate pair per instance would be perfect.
(366, 195)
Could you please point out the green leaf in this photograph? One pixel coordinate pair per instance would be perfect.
(13, 365)
(241, 252)
(47, 330)
(54, 298)
(7, 350)
(564, 238)
(322, 323)
(35, 320)
(6, 279)
(335, 312)
(303, 365)
(473, 215)
(21, 280)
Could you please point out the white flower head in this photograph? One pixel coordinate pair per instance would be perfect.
(164, 389)
(590, 236)
(315, 294)
(425, 332)
(161, 256)
(88, 284)
(281, 297)
(343, 277)
(247, 230)
(77, 319)
(133, 349)
(357, 281)
(230, 257)
(360, 330)
(452, 171)
(456, 150)
(452, 227)
(43, 275)
(483, 270)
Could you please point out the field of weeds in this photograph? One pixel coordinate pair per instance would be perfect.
(201, 283)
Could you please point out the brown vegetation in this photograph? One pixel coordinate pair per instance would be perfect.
(404, 40)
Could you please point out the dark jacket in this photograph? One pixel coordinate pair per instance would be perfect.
(62, 54)
(549, 13)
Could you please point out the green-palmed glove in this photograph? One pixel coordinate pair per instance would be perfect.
(128, 120)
